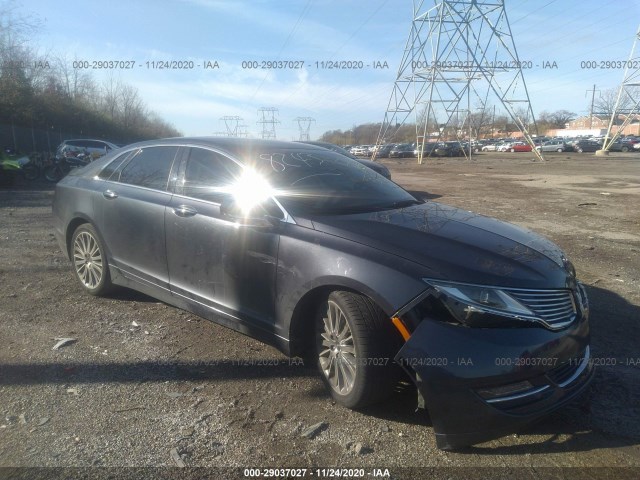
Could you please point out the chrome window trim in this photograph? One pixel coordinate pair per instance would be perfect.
(287, 218)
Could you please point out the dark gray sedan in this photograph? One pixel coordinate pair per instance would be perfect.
(324, 258)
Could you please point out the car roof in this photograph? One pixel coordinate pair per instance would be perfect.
(233, 145)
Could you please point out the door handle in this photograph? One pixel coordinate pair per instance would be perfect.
(185, 211)
(110, 194)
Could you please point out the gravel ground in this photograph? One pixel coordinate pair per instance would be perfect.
(145, 384)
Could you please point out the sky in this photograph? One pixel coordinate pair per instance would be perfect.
(238, 33)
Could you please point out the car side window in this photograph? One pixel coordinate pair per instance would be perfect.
(112, 166)
(207, 174)
(149, 167)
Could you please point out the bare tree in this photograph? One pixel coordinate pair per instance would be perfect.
(479, 120)
(75, 82)
(132, 111)
(606, 102)
(110, 97)
(557, 119)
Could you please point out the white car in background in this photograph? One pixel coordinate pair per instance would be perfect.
(361, 150)
(504, 147)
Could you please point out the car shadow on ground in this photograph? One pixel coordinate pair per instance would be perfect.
(160, 370)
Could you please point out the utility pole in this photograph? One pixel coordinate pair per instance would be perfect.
(593, 98)
(457, 49)
(268, 120)
(304, 126)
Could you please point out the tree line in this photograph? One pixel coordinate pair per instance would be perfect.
(482, 123)
(45, 92)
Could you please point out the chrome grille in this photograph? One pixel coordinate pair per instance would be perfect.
(556, 308)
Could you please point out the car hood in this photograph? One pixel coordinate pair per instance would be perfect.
(458, 245)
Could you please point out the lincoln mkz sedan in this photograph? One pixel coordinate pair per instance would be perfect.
(322, 257)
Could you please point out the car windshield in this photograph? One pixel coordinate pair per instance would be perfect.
(324, 182)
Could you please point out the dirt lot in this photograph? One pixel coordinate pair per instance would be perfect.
(127, 395)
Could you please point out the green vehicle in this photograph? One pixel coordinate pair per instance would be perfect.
(13, 166)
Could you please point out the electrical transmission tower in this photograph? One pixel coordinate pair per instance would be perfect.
(232, 124)
(268, 120)
(628, 99)
(243, 131)
(458, 55)
(304, 125)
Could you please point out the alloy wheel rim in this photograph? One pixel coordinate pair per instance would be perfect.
(87, 259)
(338, 353)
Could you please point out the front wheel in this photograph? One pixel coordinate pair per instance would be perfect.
(560, 150)
(355, 346)
(89, 261)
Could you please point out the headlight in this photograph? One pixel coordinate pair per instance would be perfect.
(479, 305)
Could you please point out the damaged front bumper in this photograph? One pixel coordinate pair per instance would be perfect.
(482, 383)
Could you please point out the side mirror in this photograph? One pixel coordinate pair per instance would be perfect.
(256, 218)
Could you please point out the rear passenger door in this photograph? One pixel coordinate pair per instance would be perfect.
(133, 203)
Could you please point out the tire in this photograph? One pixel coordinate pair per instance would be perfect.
(580, 150)
(513, 150)
(52, 174)
(355, 345)
(31, 172)
(560, 150)
(89, 261)
(625, 149)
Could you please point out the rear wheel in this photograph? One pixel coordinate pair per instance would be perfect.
(89, 261)
(560, 150)
(31, 171)
(52, 174)
(625, 149)
(355, 346)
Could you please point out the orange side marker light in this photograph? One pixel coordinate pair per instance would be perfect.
(401, 328)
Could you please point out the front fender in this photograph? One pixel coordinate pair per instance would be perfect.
(309, 260)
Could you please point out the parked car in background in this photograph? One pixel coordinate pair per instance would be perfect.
(586, 146)
(632, 140)
(361, 150)
(377, 167)
(555, 146)
(520, 147)
(94, 148)
(427, 149)
(402, 150)
(309, 251)
(383, 150)
(449, 149)
(504, 147)
(619, 146)
(491, 147)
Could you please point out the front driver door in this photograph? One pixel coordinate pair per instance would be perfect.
(212, 260)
